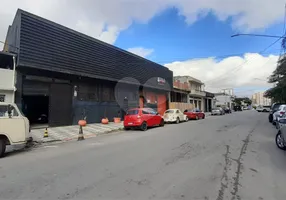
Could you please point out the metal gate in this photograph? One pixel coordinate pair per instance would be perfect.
(60, 113)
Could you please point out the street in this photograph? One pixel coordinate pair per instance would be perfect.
(228, 157)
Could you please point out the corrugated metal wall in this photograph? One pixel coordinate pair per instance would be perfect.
(49, 46)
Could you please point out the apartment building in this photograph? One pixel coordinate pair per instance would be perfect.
(259, 99)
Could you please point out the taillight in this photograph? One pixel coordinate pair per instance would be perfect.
(282, 113)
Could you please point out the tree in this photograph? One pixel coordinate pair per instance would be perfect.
(278, 77)
(240, 100)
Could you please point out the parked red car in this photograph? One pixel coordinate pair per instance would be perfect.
(195, 114)
(142, 118)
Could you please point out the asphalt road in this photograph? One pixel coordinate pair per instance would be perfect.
(229, 157)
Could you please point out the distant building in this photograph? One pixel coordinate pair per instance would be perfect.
(259, 99)
(224, 99)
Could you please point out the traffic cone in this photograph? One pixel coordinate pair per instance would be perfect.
(80, 134)
(46, 133)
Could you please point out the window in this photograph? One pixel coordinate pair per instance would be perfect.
(133, 112)
(145, 112)
(169, 111)
(2, 98)
(4, 111)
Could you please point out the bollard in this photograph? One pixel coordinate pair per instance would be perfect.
(46, 134)
(81, 123)
(80, 134)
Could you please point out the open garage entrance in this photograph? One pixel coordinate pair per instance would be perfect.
(36, 108)
(46, 103)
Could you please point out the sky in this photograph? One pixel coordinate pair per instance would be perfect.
(190, 37)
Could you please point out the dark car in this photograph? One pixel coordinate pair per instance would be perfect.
(273, 109)
(237, 108)
(227, 110)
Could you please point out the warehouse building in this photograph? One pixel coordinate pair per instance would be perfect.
(65, 75)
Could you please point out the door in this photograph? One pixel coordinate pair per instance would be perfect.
(141, 102)
(13, 127)
(146, 114)
(200, 114)
(60, 113)
(162, 104)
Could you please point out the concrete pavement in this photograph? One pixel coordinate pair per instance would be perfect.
(222, 157)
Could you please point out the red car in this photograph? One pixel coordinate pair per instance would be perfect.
(194, 114)
(142, 118)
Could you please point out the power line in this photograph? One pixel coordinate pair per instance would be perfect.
(240, 66)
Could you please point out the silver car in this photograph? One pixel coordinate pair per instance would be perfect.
(217, 111)
(281, 135)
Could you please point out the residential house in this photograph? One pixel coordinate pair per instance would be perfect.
(179, 97)
(197, 92)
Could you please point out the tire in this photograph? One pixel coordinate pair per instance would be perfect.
(197, 118)
(126, 128)
(177, 120)
(204, 117)
(263, 110)
(187, 119)
(2, 147)
(279, 141)
(270, 118)
(143, 126)
(162, 123)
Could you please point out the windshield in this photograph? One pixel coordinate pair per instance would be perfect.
(132, 112)
(216, 108)
(169, 111)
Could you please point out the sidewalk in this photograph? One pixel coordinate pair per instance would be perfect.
(66, 133)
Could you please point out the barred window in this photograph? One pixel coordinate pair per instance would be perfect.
(2, 98)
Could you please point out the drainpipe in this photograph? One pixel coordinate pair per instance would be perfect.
(14, 79)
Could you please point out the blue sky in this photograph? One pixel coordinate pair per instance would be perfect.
(172, 39)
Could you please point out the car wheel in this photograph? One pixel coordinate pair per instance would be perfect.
(280, 141)
(277, 125)
(273, 123)
(177, 120)
(126, 128)
(2, 147)
(162, 123)
(204, 117)
(187, 119)
(270, 118)
(197, 117)
(143, 126)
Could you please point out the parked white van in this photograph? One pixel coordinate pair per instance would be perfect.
(14, 126)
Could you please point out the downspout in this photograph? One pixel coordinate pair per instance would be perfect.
(14, 79)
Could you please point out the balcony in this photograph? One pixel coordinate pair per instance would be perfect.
(7, 79)
(197, 93)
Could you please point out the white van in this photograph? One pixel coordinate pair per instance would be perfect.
(14, 126)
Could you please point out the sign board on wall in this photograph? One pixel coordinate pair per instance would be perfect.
(161, 81)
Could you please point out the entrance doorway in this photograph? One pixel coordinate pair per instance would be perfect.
(36, 108)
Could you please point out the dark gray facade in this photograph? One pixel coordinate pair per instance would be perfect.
(42, 44)
(89, 69)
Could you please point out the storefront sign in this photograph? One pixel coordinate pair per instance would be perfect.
(161, 81)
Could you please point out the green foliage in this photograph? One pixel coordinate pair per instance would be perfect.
(239, 101)
(278, 92)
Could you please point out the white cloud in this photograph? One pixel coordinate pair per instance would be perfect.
(140, 51)
(105, 19)
(249, 71)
